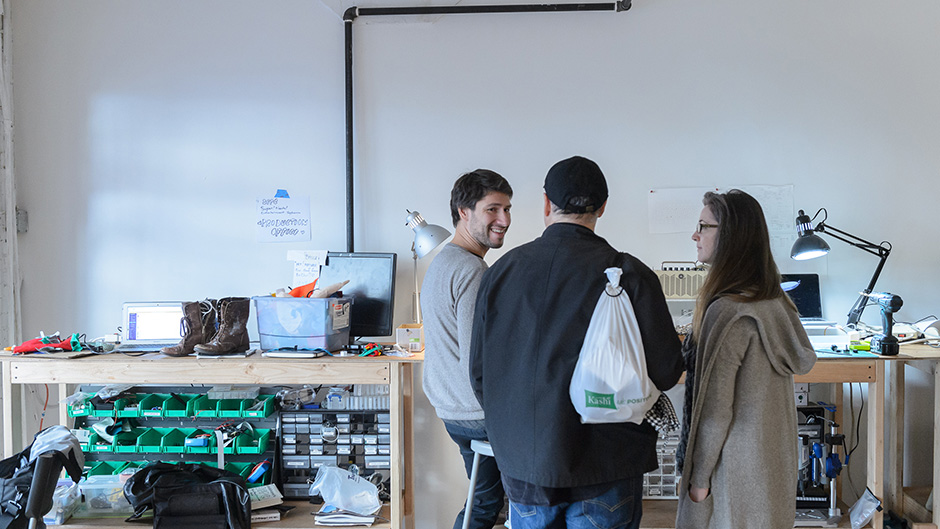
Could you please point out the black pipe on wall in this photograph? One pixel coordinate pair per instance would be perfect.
(353, 12)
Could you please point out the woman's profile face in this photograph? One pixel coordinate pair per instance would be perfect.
(706, 235)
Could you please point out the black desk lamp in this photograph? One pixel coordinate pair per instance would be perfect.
(809, 246)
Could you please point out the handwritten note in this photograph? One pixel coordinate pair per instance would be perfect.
(283, 219)
(306, 265)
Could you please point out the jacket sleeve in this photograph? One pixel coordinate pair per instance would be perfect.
(476, 339)
(717, 392)
(661, 343)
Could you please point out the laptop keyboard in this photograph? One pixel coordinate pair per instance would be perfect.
(142, 346)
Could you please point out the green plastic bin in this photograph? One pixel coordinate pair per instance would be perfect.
(261, 407)
(106, 468)
(201, 406)
(126, 442)
(80, 408)
(244, 470)
(151, 404)
(97, 444)
(192, 433)
(127, 407)
(230, 407)
(173, 442)
(177, 404)
(255, 442)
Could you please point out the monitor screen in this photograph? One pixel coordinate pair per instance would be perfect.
(371, 287)
(803, 289)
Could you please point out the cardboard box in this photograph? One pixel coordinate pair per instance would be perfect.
(410, 337)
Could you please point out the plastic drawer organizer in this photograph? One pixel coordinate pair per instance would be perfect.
(663, 482)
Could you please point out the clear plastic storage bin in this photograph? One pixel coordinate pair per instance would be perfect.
(303, 323)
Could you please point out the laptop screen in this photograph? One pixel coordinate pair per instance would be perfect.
(803, 289)
(152, 321)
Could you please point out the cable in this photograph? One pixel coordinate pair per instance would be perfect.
(848, 471)
(44, 406)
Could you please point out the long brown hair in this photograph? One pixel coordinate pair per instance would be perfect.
(743, 266)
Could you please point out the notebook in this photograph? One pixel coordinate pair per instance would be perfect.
(803, 289)
(150, 326)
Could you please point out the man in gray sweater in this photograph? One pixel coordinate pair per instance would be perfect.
(479, 207)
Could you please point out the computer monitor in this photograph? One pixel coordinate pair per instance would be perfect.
(803, 289)
(371, 287)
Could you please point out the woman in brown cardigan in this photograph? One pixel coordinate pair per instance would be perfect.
(738, 455)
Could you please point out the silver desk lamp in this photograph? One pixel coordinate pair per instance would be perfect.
(427, 238)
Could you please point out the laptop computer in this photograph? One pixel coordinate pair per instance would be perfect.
(148, 326)
(803, 289)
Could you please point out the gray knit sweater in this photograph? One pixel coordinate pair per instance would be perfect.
(448, 294)
(743, 424)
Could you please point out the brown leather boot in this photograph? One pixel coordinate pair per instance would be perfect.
(190, 329)
(197, 326)
(210, 321)
(232, 336)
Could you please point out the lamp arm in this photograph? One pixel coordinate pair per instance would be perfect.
(881, 250)
(858, 242)
(856, 313)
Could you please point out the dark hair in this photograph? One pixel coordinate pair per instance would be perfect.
(577, 202)
(473, 186)
(742, 266)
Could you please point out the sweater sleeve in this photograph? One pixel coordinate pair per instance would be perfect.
(465, 299)
(717, 398)
(476, 339)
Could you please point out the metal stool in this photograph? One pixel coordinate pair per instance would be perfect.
(480, 448)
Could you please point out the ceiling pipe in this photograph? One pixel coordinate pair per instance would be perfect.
(354, 12)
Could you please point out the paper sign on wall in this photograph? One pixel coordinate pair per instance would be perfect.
(283, 219)
(306, 265)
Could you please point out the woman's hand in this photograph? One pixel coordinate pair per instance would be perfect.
(697, 494)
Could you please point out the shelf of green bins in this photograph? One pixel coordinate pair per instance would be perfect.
(256, 473)
(172, 405)
(177, 441)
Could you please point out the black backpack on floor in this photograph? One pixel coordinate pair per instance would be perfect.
(28, 483)
(189, 495)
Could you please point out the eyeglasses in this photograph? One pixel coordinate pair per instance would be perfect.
(702, 225)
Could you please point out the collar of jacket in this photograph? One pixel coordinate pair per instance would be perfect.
(570, 230)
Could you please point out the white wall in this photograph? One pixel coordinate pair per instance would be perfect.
(153, 126)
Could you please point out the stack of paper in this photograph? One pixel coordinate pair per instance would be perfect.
(330, 515)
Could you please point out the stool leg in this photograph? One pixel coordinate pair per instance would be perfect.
(468, 508)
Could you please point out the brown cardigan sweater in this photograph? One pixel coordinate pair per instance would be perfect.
(742, 441)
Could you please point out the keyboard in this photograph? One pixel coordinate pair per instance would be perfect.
(139, 347)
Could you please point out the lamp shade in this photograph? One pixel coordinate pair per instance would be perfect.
(809, 246)
(427, 236)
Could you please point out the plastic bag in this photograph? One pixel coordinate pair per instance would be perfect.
(610, 382)
(864, 509)
(346, 491)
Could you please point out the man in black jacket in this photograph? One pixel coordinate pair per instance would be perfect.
(532, 312)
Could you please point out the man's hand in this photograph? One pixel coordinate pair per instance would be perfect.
(697, 494)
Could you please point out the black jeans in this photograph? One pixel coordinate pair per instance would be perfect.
(488, 493)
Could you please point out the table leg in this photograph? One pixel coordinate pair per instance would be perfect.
(936, 444)
(895, 435)
(7, 409)
(876, 445)
(397, 438)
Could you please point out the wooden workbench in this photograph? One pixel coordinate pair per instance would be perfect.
(255, 369)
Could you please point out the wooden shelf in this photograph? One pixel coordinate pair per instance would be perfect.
(300, 517)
